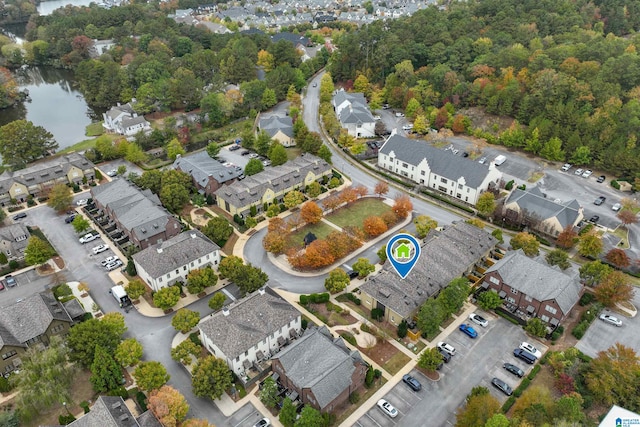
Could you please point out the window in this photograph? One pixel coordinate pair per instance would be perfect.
(544, 318)
(184, 268)
(443, 180)
(422, 173)
(514, 291)
(57, 328)
(246, 353)
(192, 263)
(207, 256)
(404, 165)
(551, 309)
(168, 275)
(459, 186)
(494, 280)
(9, 354)
(511, 300)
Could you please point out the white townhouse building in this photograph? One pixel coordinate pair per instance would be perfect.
(354, 115)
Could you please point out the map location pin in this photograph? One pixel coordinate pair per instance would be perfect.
(403, 250)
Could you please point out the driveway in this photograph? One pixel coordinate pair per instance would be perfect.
(476, 362)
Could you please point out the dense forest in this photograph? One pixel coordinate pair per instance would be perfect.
(567, 70)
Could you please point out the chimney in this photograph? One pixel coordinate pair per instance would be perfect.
(194, 235)
(159, 249)
(225, 311)
(261, 291)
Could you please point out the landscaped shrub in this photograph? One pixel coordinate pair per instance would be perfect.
(402, 329)
(354, 398)
(377, 314)
(333, 307)
(85, 406)
(534, 372)
(13, 264)
(580, 330)
(615, 184)
(509, 185)
(65, 419)
(586, 229)
(365, 328)
(120, 391)
(5, 386)
(586, 299)
(142, 400)
(319, 298)
(349, 338)
(304, 323)
(377, 373)
(62, 291)
(508, 404)
(368, 380)
(304, 299)
(195, 338)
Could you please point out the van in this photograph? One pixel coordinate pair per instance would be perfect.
(524, 355)
(500, 160)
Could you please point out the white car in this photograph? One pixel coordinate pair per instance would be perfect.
(482, 161)
(266, 162)
(377, 118)
(113, 265)
(587, 173)
(616, 207)
(407, 127)
(566, 167)
(100, 248)
(479, 320)
(578, 172)
(253, 155)
(447, 348)
(265, 422)
(112, 172)
(387, 408)
(109, 260)
(531, 349)
(81, 202)
(607, 318)
(88, 238)
(399, 114)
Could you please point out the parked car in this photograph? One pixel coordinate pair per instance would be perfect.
(566, 167)
(607, 318)
(100, 248)
(601, 179)
(112, 172)
(531, 349)
(387, 408)
(482, 160)
(446, 348)
(399, 114)
(265, 422)
(468, 329)
(109, 260)
(587, 173)
(2, 284)
(445, 356)
(81, 202)
(353, 274)
(594, 219)
(234, 147)
(600, 200)
(20, 216)
(616, 207)
(385, 107)
(377, 118)
(253, 155)
(412, 382)
(502, 386)
(524, 355)
(266, 162)
(89, 237)
(407, 127)
(112, 266)
(70, 218)
(245, 153)
(578, 171)
(476, 318)
(10, 281)
(514, 370)
(315, 84)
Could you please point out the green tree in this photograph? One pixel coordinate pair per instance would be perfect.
(552, 150)
(314, 190)
(424, 224)
(288, 413)
(135, 154)
(150, 375)
(218, 229)
(167, 297)
(37, 251)
(581, 156)
(10, 419)
(430, 359)
(84, 337)
(184, 351)
(216, 302)
(498, 420)
(105, 371)
(594, 272)
(324, 153)
(536, 327)
(363, 267)
(478, 410)
(614, 376)
(527, 242)
(293, 198)
(184, 320)
(486, 204)
(590, 245)
(80, 224)
(230, 267)
(253, 167)
(22, 142)
(455, 294)
(336, 281)
(558, 257)
(152, 180)
(60, 198)
(262, 144)
(277, 154)
(213, 149)
(200, 279)
(430, 316)
(382, 253)
(489, 300)
(211, 377)
(309, 417)
(268, 99)
(174, 197)
(135, 289)
(269, 393)
(174, 148)
(129, 352)
(175, 176)
(497, 233)
(569, 408)
(122, 169)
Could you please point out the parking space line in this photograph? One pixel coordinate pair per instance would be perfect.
(373, 419)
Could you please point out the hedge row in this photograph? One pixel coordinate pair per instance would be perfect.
(314, 298)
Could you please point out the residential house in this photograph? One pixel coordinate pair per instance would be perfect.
(270, 185)
(249, 330)
(123, 119)
(354, 115)
(279, 129)
(447, 254)
(206, 173)
(531, 207)
(320, 369)
(531, 288)
(13, 240)
(167, 262)
(101, 46)
(37, 179)
(112, 411)
(137, 213)
(439, 170)
(30, 322)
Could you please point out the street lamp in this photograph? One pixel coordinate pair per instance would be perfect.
(65, 407)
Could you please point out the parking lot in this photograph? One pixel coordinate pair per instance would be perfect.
(476, 362)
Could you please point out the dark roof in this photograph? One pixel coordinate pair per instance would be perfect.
(309, 238)
(201, 166)
(273, 124)
(445, 256)
(163, 257)
(534, 203)
(293, 38)
(111, 411)
(74, 308)
(442, 163)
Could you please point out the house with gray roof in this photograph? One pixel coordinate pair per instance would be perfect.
(440, 170)
(206, 173)
(532, 208)
(37, 179)
(250, 330)
(13, 240)
(531, 288)
(320, 369)
(111, 411)
(271, 185)
(137, 213)
(30, 322)
(170, 261)
(353, 113)
(447, 254)
(279, 129)
(123, 119)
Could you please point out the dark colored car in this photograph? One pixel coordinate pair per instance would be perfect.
(445, 356)
(352, 274)
(600, 200)
(412, 382)
(525, 355)
(10, 281)
(502, 386)
(601, 179)
(234, 147)
(594, 219)
(70, 219)
(513, 369)
(19, 216)
(245, 153)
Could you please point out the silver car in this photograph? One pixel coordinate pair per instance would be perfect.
(607, 318)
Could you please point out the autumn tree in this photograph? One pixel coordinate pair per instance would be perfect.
(618, 258)
(274, 242)
(348, 195)
(60, 198)
(168, 405)
(337, 281)
(527, 242)
(486, 204)
(381, 188)
(478, 410)
(594, 272)
(533, 397)
(614, 288)
(293, 198)
(558, 257)
(128, 352)
(567, 238)
(37, 251)
(402, 206)
(331, 202)
(614, 377)
(430, 359)
(590, 245)
(211, 377)
(184, 320)
(318, 254)
(360, 191)
(216, 302)
(150, 375)
(627, 217)
(311, 213)
(135, 289)
(341, 244)
(196, 422)
(166, 297)
(374, 226)
(424, 224)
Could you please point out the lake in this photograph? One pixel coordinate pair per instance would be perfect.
(46, 7)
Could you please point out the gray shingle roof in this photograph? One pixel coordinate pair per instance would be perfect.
(442, 163)
(116, 111)
(539, 281)
(320, 363)
(108, 411)
(249, 321)
(201, 166)
(132, 121)
(177, 251)
(14, 237)
(273, 124)
(446, 255)
(535, 204)
(29, 318)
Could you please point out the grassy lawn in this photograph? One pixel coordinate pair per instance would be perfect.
(321, 230)
(357, 211)
(293, 152)
(623, 234)
(94, 129)
(87, 143)
(396, 362)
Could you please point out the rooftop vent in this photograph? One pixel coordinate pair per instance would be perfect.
(155, 225)
(225, 311)
(159, 249)
(116, 405)
(194, 235)
(144, 230)
(57, 310)
(261, 291)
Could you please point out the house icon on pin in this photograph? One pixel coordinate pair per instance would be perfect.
(402, 251)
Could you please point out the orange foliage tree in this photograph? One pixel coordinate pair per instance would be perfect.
(614, 288)
(402, 206)
(318, 254)
(274, 242)
(361, 190)
(381, 188)
(342, 244)
(627, 217)
(331, 202)
(389, 218)
(295, 221)
(311, 213)
(618, 257)
(567, 238)
(374, 226)
(195, 422)
(168, 405)
(348, 195)
(278, 224)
